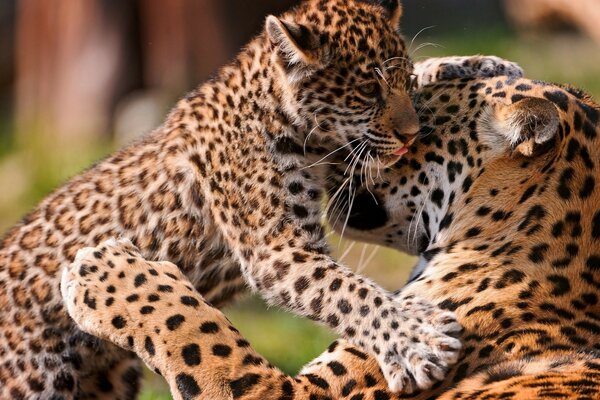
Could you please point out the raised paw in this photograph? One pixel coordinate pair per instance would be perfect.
(111, 292)
(420, 346)
(448, 68)
(152, 309)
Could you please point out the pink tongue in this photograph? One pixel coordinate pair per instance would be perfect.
(401, 151)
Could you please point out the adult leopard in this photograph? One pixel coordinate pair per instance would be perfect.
(501, 195)
(223, 189)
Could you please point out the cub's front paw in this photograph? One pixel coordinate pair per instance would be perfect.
(89, 286)
(111, 292)
(417, 345)
(448, 68)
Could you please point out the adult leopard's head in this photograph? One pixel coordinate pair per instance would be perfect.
(346, 75)
(498, 158)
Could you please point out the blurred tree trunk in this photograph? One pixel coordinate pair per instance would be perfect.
(183, 41)
(584, 14)
(67, 61)
(76, 59)
(186, 40)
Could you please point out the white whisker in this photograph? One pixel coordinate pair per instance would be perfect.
(328, 234)
(367, 185)
(393, 58)
(352, 195)
(362, 257)
(347, 251)
(355, 154)
(425, 106)
(394, 67)
(317, 125)
(380, 73)
(335, 195)
(351, 190)
(419, 215)
(417, 35)
(423, 45)
(362, 266)
(334, 151)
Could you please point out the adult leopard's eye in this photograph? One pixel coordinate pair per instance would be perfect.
(370, 90)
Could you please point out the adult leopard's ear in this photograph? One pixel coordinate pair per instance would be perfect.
(527, 126)
(392, 8)
(300, 49)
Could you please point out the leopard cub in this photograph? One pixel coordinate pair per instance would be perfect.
(229, 188)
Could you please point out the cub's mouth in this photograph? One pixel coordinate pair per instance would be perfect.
(388, 160)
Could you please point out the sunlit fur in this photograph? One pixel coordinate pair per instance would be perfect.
(500, 199)
(510, 242)
(225, 188)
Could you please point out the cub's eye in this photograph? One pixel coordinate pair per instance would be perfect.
(412, 83)
(370, 90)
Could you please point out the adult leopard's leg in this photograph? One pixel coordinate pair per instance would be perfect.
(152, 309)
(447, 68)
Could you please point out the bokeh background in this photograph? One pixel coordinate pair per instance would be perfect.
(78, 78)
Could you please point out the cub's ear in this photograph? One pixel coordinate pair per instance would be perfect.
(524, 126)
(301, 49)
(393, 10)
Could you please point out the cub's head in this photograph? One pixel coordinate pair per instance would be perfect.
(345, 74)
(495, 157)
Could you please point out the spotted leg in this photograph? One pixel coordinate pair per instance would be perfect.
(152, 309)
(447, 68)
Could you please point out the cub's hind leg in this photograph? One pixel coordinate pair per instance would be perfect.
(39, 377)
(51, 376)
(119, 381)
(57, 361)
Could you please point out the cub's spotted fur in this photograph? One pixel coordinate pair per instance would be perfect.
(152, 308)
(501, 195)
(226, 188)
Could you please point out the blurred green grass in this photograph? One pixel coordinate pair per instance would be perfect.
(288, 341)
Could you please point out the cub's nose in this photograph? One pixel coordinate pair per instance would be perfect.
(405, 141)
(406, 138)
(405, 122)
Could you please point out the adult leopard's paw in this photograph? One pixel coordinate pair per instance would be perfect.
(419, 345)
(448, 68)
